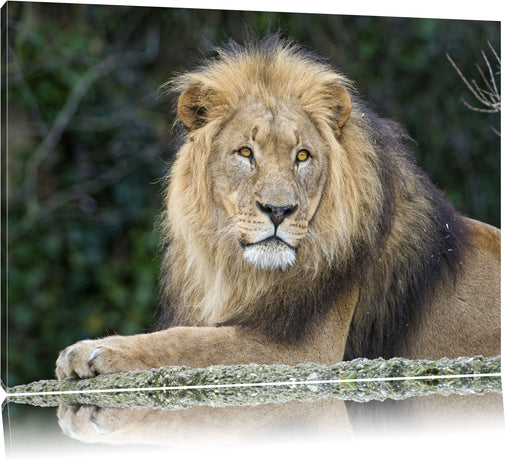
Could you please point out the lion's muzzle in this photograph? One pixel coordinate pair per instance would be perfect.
(273, 244)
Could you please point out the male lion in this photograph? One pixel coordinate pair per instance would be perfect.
(298, 228)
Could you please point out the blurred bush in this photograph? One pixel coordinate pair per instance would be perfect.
(88, 143)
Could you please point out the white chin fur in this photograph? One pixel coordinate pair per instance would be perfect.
(270, 255)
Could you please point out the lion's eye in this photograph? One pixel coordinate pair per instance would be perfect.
(302, 155)
(245, 152)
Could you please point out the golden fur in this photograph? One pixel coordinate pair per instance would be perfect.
(366, 257)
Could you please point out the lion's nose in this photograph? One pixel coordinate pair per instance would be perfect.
(277, 213)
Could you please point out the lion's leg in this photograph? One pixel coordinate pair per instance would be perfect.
(191, 346)
(205, 346)
(197, 424)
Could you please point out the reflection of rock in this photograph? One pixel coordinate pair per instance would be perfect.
(236, 423)
(433, 413)
(231, 402)
(204, 424)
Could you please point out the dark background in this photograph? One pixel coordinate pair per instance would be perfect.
(88, 142)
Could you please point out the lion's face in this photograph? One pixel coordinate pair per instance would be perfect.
(257, 173)
(268, 168)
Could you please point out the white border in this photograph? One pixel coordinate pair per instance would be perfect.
(494, 10)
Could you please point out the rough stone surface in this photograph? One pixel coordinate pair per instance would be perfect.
(180, 387)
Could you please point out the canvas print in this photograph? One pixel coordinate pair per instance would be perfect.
(243, 222)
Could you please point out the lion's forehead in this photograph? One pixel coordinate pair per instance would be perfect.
(276, 127)
(276, 134)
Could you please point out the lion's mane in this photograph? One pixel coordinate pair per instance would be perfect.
(381, 224)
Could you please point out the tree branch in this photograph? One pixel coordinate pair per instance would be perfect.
(70, 107)
(490, 99)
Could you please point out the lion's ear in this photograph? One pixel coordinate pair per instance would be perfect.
(192, 107)
(342, 106)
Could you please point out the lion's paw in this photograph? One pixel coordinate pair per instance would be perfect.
(87, 423)
(86, 359)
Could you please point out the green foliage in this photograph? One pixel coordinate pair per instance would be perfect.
(83, 253)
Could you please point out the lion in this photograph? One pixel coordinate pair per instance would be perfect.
(298, 228)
